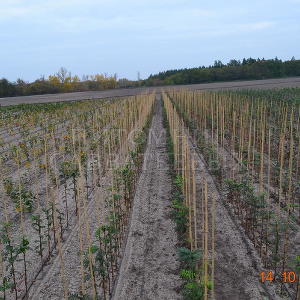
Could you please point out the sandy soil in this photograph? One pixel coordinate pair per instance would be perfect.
(48, 285)
(250, 84)
(149, 268)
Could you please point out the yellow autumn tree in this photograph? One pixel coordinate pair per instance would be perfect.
(75, 83)
(54, 80)
(67, 85)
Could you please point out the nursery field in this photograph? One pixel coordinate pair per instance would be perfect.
(167, 194)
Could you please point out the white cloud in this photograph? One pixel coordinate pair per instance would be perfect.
(15, 8)
(203, 30)
(158, 21)
(12, 12)
(236, 28)
(196, 12)
(258, 25)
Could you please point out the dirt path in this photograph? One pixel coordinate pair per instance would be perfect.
(149, 268)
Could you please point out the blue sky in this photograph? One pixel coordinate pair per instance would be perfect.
(113, 36)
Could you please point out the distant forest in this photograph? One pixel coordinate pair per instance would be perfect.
(247, 69)
(63, 81)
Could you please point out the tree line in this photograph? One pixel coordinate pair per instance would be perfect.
(62, 82)
(247, 69)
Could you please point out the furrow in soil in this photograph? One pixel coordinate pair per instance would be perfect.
(149, 269)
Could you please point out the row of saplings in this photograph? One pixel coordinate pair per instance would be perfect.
(43, 223)
(191, 270)
(105, 250)
(101, 259)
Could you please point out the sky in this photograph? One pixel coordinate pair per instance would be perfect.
(125, 37)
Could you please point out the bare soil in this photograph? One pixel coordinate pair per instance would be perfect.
(150, 268)
(48, 285)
